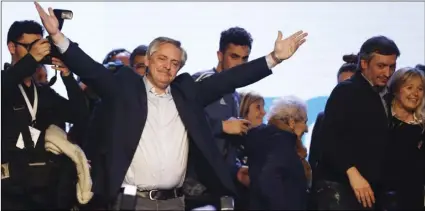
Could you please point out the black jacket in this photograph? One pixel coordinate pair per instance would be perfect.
(355, 131)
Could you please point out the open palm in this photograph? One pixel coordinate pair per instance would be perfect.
(50, 22)
(285, 48)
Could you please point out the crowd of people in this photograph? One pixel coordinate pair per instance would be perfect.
(144, 138)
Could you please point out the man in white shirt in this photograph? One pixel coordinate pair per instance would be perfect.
(156, 119)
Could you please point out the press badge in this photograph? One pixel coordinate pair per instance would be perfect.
(5, 171)
(35, 134)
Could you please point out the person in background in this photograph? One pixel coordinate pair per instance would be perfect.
(119, 54)
(40, 75)
(403, 173)
(137, 59)
(420, 67)
(32, 178)
(276, 170)
(234, 49)
(354, 131)
(251, 109)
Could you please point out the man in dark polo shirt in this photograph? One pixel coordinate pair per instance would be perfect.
(235, 47)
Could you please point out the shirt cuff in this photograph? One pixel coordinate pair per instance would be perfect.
(270, 62)
(63, 45)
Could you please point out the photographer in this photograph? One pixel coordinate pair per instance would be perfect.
(33, 178)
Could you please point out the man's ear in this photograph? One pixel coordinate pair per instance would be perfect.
(364, 64)
(291, 123)
(147, 60)
(12, 47)
(220, 56)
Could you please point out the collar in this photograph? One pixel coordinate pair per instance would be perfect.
(151, 89)
(381, 90)
(415, 120)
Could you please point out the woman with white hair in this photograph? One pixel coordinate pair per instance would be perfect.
(403, 173)
(276, 171)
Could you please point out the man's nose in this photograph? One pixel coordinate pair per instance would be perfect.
(387, 72)
(167, 65)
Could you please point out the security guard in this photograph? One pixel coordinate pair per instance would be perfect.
(33, 178)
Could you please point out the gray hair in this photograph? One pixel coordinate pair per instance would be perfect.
(288, 107)
(154, 45)
(400, 77)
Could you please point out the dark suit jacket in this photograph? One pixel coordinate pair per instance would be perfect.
(354, 132)
(125, 98)
(276, 172)
(314, 152)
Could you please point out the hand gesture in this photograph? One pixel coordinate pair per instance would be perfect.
(243, 176)
(50, 22)
(40, 49)
(235, 126)
(59, 65)
(285, 48)
(361, 188)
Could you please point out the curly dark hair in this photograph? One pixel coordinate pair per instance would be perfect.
(19, 28)
(236, 36)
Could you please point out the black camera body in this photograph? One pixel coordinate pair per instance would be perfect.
(61, 15)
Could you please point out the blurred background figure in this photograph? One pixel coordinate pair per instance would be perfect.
(278, 172)
(40, 75)
(137, 59)
(119, 54)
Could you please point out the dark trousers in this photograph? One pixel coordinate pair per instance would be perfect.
(128, 202)
(29, 201)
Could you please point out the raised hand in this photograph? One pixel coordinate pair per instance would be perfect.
(285, 48)
(50, 22)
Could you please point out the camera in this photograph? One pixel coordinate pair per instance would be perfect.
(61, 15)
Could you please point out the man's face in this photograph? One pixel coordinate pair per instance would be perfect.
(379, 69)
(139, 64)
(164, 64)
(233, 56)
(124, 57)
(18, 51)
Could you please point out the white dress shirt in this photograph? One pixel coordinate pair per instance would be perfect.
(161, 157)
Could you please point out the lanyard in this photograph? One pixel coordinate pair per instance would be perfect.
(32, 110)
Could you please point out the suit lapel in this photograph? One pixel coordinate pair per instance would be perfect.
(179, 101)
(143, 102)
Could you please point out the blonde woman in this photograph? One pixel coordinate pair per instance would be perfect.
(252, 108)
(403, 173)
(278, 180)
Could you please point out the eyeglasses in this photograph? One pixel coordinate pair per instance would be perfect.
(27, 46)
